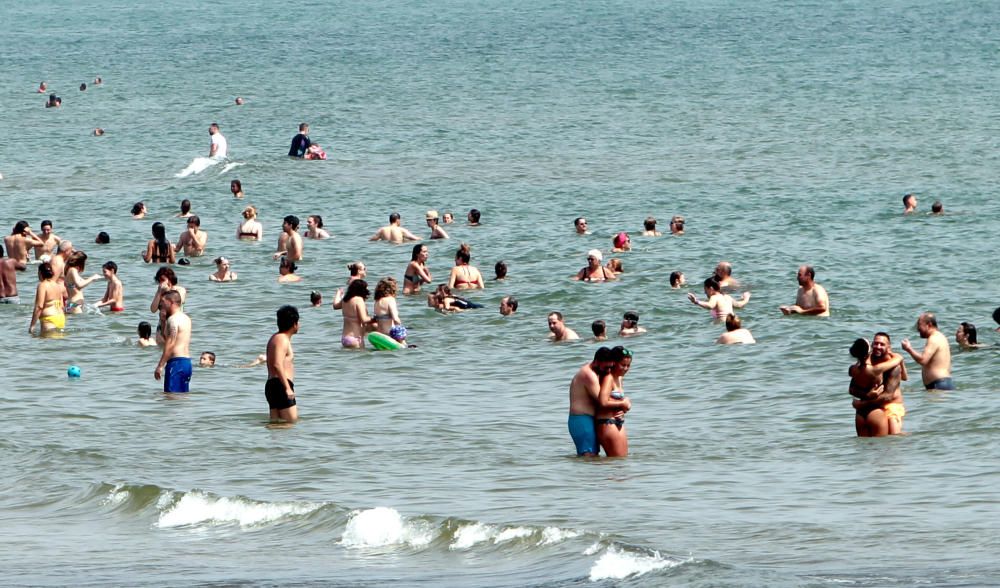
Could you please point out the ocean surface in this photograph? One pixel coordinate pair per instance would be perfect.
(785, 133)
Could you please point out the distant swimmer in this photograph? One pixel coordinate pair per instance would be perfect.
(967, 337)
(48, 309)
(649, 227)
(279, 390)
(811, 297)
(193, 240)
(98, 132)
(584, 393)
(394, 232)
(937, 209)
(909, 204)
(98, 81)
(417, 273)
(735, 333)
(500, 271)
(508, 305)
(43, 88)
(53, 101)
(174, 367)
(145, 334)
(21, 238)
(300, 142)
(236, 187)
(600, 330)
(49, 240)
(594, 271)
(223, 271)
(677, 225)
(314, 228)
(558, 328)
(239, 101)
(114, 295)
(102, 238)
(721, 305)
(621, 243)
(139, 211)
(473, 217)
(250, 228)
(290, 241)
(580, 226)
(875, 380)
(286, 272)
(724, 274)
(935, 359)
(83, 87)
(630, 325)
(206, 359)
(677, 280)
(436, 231)
(448, 218)
(465, 276)
(315, 299)
(8, 278)
(610, 418)
(185, 209)
(220, 147)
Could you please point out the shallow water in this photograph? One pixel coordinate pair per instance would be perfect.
(785, 134)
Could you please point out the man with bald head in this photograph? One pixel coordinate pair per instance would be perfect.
(724, 275)
(811, 297)
(935, 359)
(58, 261)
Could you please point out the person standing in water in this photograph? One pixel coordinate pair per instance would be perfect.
(811, 297)
(300, 142)
(609, 419)
(935, 359)
(114, 295)
(220, 147)
(8, 279)
(290, 241)
(174, 366)
(280, 387)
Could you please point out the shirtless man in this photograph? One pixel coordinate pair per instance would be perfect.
(220, 147)
(935, 359)
(290, 241)
(724, 274)
(58, 261)
(560, 332)
(19, 240)
(649, 227)
(882, 412)
(176, 356)
(280, 389)
(508, 305)
(909, 204)
(8, 279)
(393, 232)
(811, 297)
(677, 225)
(49, 240)
(584, 393)
(114, 295)
(580, 224)
(193, 240)
(432, 222)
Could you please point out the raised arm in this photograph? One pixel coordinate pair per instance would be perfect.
(743, 301)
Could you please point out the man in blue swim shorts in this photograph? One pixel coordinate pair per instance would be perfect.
(935, 359)
(175, 361)
(584, 390)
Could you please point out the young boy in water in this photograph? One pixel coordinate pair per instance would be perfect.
(145, 332)
(114, 296)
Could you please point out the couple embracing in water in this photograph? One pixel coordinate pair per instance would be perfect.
(597, 404)
(875, 380)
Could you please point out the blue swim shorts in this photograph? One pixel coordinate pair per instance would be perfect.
(177, 374)
(584, 434)
(941, 384)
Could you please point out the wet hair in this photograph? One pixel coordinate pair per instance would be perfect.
(464, 253)
(576, 221)
(137, 207)
(394, 217)
(970, 332)
(77, 259)
(356, 288)
(168, 273)
(649, 223)
(996, 315)
(599, 328)
(713, 284)
(937, 206)
(145, 330)
(385, 287)
(810, 272)
(210, 354)
(474, 215)
(288, 264)
(19, 227)
(249, 212)
(185, 206)
(860, 349)
(318, 219)
(193, 219)
(219, 260)
(906, 198)
(293, 221)
(512, 303)
(632, 316)
(355, 268)
(83, 86)
(618, 353)
(162, 246)
(675, 278)
(237, 184)
(287, 316)
(416, 251)
(500, 269)
(733, 322)
(556, 314)
(315, 297)
(46, 223)
(110, 265)
(103, 238)
(45, 271)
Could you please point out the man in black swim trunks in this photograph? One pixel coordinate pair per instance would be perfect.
(300, 143)
(280, 389)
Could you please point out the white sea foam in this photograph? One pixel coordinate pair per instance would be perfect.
(512, 533)
(197, 165)
(381, 526)
(196, 508)
(617, 564)
(553, 535)
(230, 166)
(469, 535)
(115, 496)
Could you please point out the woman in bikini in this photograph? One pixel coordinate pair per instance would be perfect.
(356, 319)
(594, 272)
(866, 384)
(720, 305)
(358, 272)
(223, 273)
(159, 249)
(49, 301)
(387, 312)
(464, 276)
(612, 405)
(250, 229)
(417, 273)
(75, 283)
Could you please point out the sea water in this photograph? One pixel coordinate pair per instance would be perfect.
(786, 133)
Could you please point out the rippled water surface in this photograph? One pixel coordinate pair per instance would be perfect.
(785, 133)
